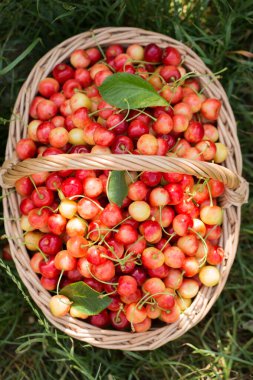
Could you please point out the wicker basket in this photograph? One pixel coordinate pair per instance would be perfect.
(235, 195)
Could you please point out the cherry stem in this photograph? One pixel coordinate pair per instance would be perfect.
(42, 253)
(102, 109)
(145, 113)
(59, 280)
(209, 192)
(167, 242)
(36, 189)
(204, 244)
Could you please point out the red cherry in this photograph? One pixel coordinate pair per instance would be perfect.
(26, 205)
(100, 320)
(122, 145)
(63, 72)
(171, 56)
(48, 269)
(153, 53)
(126, 234)
(175, 192)
(26, 148)
(50, 244)
(42, 196)
(119, 320)
(71, 187)
(137, 128)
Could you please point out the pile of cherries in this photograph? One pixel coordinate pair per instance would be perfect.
(152, 254)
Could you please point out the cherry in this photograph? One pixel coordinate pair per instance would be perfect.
(114, 50)
(111, 215)
(152, 258)
(48, 268)
(210, 133)
(153, 286)
(153, 311)
(137, 128)
(127, 285)
(140, 275)
(92, 187)
(209, 276)
(189, 288)
(188, 244)
(84, 267)
(215, 256)
(48, 86)
(64, 261)
(122, 145)
(159, 197)
(153, 53)
(119, 320)
(126, 234)
(100, 320)
(172, 94)
(166, 301)
(50, 244)
(163, 124)
(217, 188)
(46, 109)
(211, 215)
(38, 218)
(161, 272)
(56, 223)
(95, 254)
(190, 266)
(26, 205)
(71, 187)
(173, 279)
(77, 246)
(213, 232)
(170, 73)
(63, 72)
(181, 224)
(171, 56)
(94, 54)
(59, 305)
(173, 177)
(172, 316)
(175, 192)
(42, 196)
(139, 210)
(25, 148)
(49, 283)
(151, 179)
(82, 76)
(88, 209)
(103, 272)
(210, 109)
(102, 136)
(194, 132)
(174, 257)
(151, 230)
(147, 144)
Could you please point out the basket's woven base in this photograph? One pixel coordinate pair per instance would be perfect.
(228, 135)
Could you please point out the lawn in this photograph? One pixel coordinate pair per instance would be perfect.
(221, 346)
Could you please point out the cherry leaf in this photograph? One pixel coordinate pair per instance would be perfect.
(117, 188)
(86, 299)
(129, 91)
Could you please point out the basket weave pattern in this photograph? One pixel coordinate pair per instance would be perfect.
(236, 191)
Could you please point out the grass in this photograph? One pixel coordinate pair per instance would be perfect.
(221, 346)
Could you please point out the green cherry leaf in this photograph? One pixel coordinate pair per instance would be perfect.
(129, 91)
(85, 299)
(117, 188)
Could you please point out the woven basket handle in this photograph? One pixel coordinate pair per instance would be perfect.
(236, 187)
